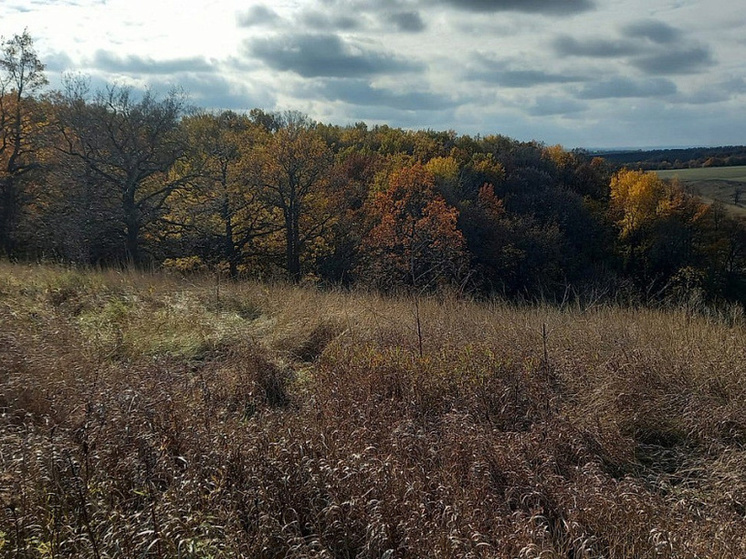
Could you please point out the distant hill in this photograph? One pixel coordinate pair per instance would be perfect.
(678, 158)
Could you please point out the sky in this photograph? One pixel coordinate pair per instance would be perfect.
(581, 73)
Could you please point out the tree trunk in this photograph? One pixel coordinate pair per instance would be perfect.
(7, 216)
(293, 245)
(132, 228)
(231, 254)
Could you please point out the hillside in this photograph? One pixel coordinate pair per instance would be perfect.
(159, 416)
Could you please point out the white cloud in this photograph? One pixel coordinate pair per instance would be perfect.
(582, 72)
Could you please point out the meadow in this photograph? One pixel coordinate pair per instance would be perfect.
(714, 184)
(151, 415)
(734, 173)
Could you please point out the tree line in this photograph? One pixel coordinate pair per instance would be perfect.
(117, 177)
(678, 158)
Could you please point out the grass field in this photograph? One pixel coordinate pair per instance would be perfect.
(714, 184)
(144, 415)
(737, 174)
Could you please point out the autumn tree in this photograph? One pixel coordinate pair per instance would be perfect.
(21, 76)
(658, 223)
(414, 240)
(353, 175)
(293, 173)
(446, 172)
(220, 206)
(129, 145)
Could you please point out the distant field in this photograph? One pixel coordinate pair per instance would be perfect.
(737, 174)
(714, 184)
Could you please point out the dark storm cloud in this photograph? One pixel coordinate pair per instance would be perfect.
(257, 15)
(653, 30)
(407, 22)
(548, 7)
(361, 93)
(621, 87)
(110, 62)
(566, 45)
(678, 61)
(318, 55)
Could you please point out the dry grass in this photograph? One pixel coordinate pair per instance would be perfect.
(148, 416)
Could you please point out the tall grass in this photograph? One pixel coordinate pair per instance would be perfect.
(142, 416)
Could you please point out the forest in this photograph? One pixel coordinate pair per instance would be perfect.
(119, 177)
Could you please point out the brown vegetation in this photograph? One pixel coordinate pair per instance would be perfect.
(153, 416)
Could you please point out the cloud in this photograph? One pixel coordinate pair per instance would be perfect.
(704, 97)
(735, 86)
(498, 73)
(547, 7)
(57, 62)
(320, 21)
(20, 8)
(408, 22)
(621, 87)
(678, 61)
(257, 15)
(317, 55)
(654, 57)
(385, 16)
(530, 78)
(715, 93)
(216, 92)
(417, 120)
(360, 92)
(566, 45)
(653, 30)
(550, 106)
(132, 64)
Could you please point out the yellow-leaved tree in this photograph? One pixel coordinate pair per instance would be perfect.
(293, 175)
(220, 206)
(660, 225)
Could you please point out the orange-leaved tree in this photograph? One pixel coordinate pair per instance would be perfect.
(414, 239)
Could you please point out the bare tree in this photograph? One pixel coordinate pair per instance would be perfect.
(130, 145)
(737, 192)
